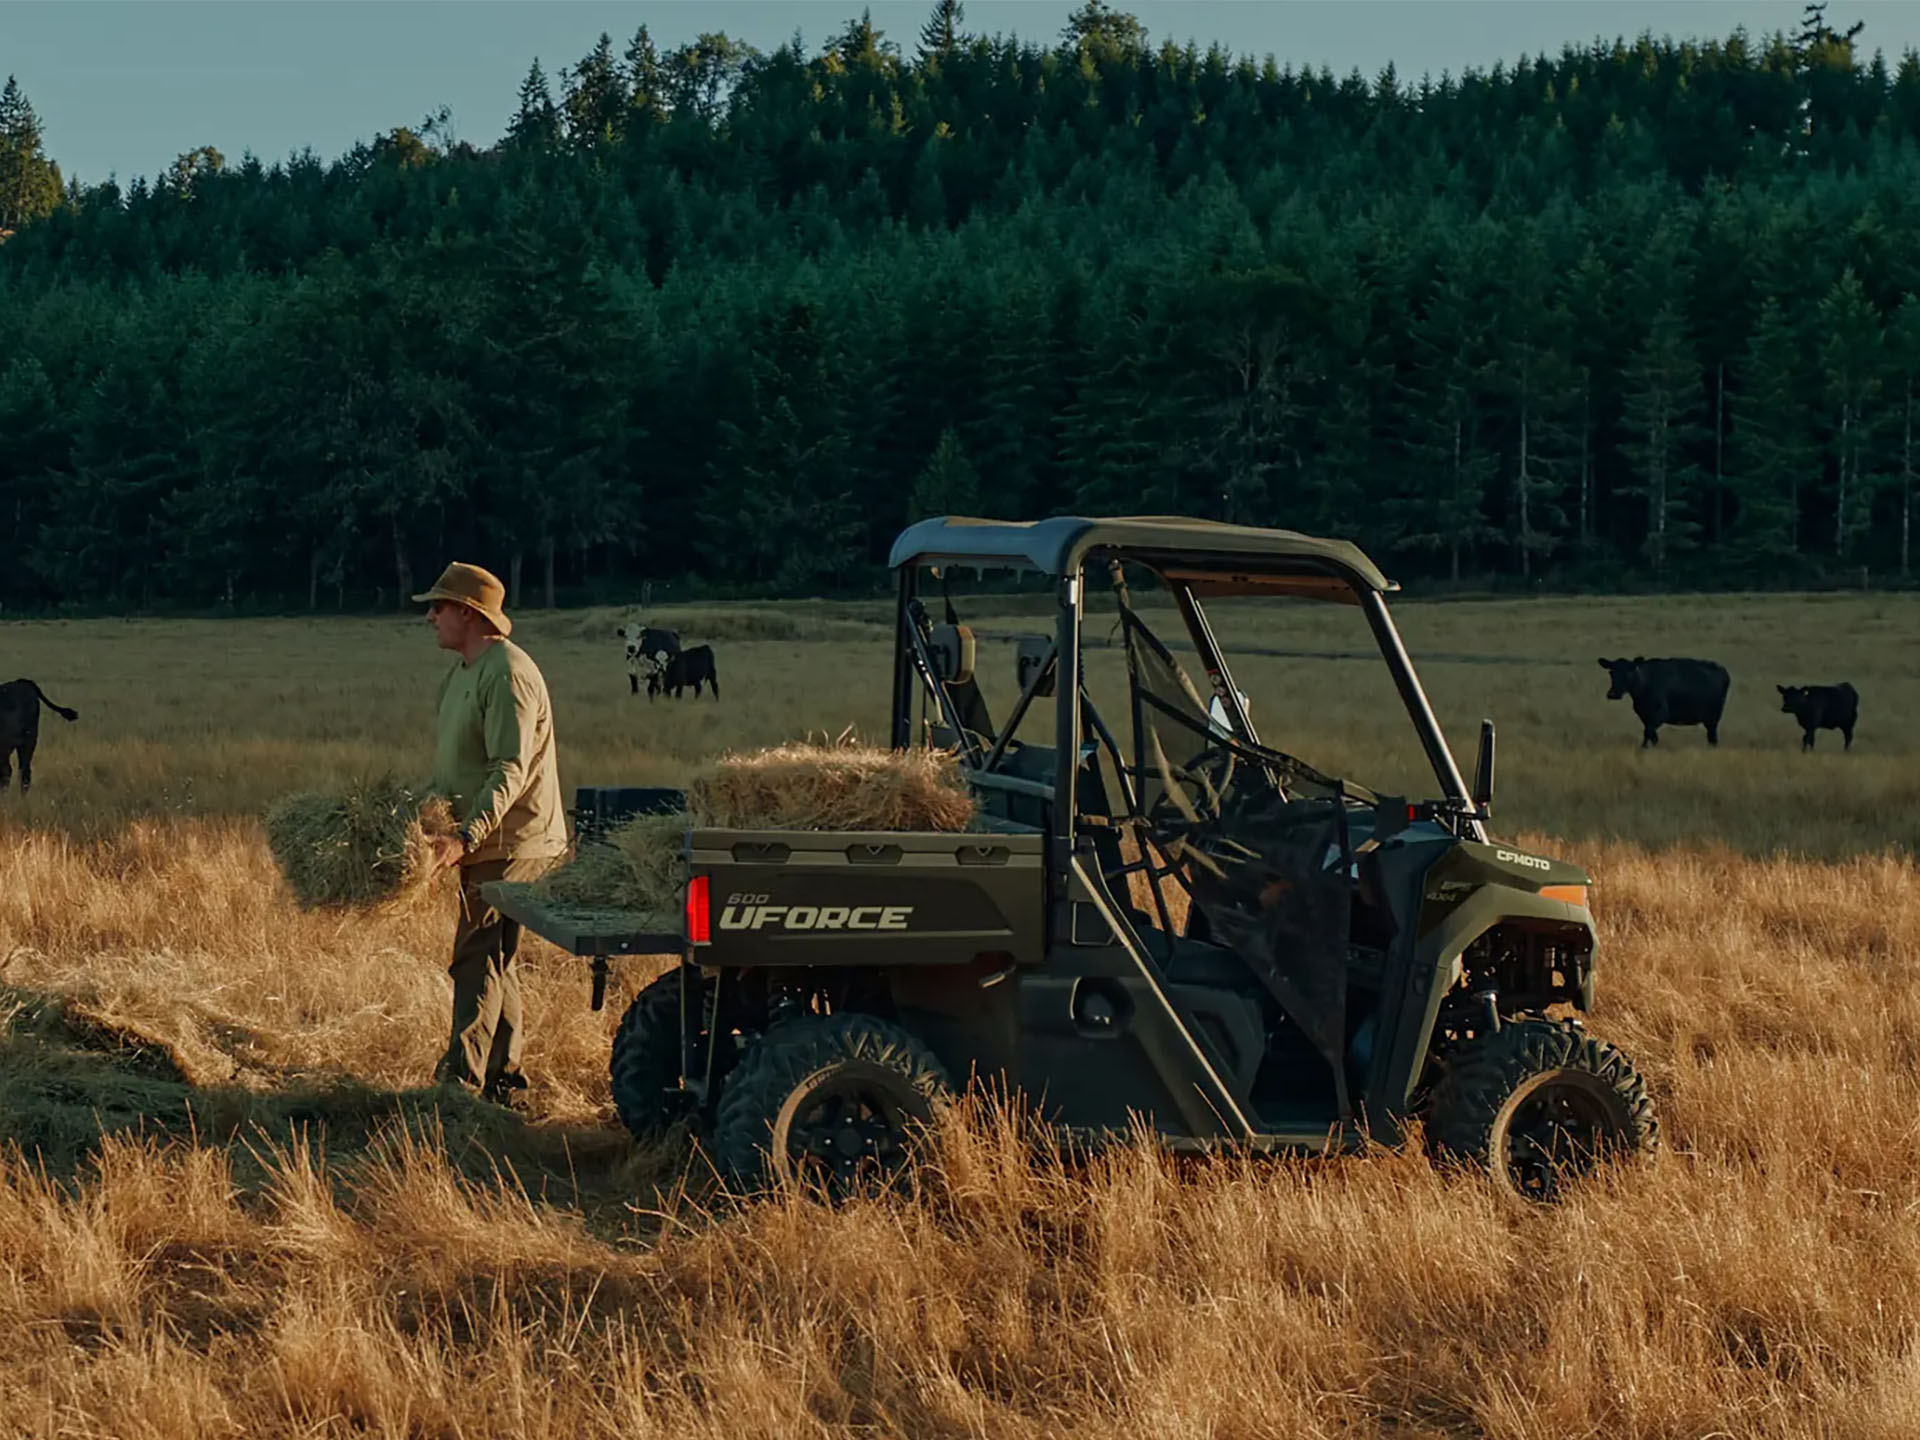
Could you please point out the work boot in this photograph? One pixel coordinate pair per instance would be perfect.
(509, 1091)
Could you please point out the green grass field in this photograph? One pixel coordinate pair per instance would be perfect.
(217, 718)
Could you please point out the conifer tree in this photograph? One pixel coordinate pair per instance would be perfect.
(1903, 349)
(1773, 441)
(949, 485)
(646, 78)
(1661, 420)
(29, 181)
(536, 124)
(1851, 357)
(1441, 505)
(32, 456)
(1534, 373)
(941, 34)
(596, 95)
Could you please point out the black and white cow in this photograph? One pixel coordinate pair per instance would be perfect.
(20, 702)
(1821, 707)
(693, 667)
(648, 650)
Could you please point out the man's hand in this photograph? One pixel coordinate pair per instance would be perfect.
(446, 850)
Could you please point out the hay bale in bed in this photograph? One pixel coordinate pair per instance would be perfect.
(363, 847)
(838, 786)
(841, 785)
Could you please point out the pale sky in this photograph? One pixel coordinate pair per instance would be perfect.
(123, 86)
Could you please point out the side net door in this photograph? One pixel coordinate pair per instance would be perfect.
(1257, 840)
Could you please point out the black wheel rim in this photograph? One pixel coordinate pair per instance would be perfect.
(848, 1135)
(1560, 1129)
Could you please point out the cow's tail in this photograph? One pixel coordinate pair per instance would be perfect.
(62, 711)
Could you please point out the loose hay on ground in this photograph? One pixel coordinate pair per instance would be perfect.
(364, 847)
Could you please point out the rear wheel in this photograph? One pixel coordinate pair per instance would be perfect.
(1538, 1102)
(644, 1069)
(836, 1101)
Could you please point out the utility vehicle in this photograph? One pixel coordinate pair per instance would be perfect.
(1157, 917)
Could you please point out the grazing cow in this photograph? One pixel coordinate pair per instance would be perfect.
(20, 702)
(1671, 692)
(647, 652)
(683, 668)
(1821, 707)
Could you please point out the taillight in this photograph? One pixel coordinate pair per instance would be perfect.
(698, 932)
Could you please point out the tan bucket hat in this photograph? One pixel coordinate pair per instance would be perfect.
(475, 588)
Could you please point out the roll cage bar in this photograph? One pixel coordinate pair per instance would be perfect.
(1279, 563)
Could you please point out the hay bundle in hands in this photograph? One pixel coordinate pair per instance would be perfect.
(842, 785)
(366, 846)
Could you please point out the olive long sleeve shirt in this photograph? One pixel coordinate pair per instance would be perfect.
(495, 759)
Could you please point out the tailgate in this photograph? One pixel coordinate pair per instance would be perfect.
(585, 929)
(798, 897)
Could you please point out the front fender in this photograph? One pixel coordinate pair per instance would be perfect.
(1469, 891)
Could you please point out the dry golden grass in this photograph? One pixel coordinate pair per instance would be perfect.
(282, 1234)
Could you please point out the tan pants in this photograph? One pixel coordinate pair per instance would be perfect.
(483, 1052)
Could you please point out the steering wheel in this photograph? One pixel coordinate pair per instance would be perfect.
(1202, 783)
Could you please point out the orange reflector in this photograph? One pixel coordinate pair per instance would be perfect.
(697, 927)
(1570, 894)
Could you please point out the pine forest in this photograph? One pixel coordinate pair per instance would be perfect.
(718, 321)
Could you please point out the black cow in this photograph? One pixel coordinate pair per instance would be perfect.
(648, 650)
(20, 702)
(683, 668)
(1821, 707)
(1671, 692)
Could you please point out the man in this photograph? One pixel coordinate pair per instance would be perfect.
(494, 761)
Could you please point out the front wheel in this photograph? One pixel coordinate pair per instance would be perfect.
(1537, 1102)
(832, 1100)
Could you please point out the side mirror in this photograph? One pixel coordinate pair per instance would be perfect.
(1483, 771)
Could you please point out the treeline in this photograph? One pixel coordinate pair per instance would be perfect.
(714, 318)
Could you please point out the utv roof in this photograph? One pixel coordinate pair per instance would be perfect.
(1216, 557)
